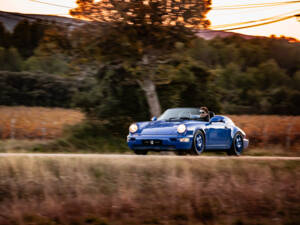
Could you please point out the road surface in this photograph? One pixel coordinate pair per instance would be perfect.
(146, 156)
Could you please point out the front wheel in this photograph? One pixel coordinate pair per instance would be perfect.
(140, 152)
(198, 143)
(237, 145)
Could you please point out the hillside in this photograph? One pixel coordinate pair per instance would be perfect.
(210, 34)
(10, 19)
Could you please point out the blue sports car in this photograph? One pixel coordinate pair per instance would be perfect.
(182, 130)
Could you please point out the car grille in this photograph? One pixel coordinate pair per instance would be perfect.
(152, 142)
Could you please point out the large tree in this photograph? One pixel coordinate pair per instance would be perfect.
(4, 36)
(27, 35)
(141, 35)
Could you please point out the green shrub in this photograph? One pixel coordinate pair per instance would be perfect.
(29, 89)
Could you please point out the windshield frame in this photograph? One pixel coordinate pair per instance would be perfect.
(175, 114)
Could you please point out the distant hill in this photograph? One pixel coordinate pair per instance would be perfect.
(10, 19)
(210, 34)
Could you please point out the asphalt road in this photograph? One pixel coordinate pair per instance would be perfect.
(128, 156)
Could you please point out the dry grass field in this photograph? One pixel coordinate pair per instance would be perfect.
(35, 122)
(265, 130)
(148, 190)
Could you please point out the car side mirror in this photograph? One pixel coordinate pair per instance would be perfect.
(153, 118)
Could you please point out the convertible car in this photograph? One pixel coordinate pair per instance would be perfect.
(181, 130)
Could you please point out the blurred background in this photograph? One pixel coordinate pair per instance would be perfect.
(74, 75)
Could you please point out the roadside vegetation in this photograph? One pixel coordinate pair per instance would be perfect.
(38, 129)
(148, 190)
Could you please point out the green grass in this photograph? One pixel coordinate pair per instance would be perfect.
(148, 190)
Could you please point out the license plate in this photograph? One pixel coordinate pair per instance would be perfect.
(152, 142)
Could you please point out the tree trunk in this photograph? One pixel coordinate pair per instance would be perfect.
(149, 88)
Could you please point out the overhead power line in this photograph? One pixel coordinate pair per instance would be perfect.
(52, 4)
(260, 24)
(291, 13)
(258, 5)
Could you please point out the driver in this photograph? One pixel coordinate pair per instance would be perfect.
(204, 114)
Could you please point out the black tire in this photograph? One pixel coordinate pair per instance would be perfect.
(196, 148)
(140, 152)
(237, 146)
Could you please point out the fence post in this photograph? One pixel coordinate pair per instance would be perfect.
(44, 132)
(12, 128)
(288, 136)
(265, 135)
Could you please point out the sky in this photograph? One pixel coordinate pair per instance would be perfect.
(289, 28)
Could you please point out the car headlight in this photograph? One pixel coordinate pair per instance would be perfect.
(133, 128)
(181, 128)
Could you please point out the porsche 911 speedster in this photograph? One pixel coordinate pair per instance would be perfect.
(182, 130)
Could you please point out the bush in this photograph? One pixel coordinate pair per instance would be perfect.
(89, 136)
(29, 89)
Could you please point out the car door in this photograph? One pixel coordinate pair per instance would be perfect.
(218, 133)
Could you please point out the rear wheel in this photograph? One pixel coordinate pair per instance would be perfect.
(198, 143)
(237, 145)
(140, 152)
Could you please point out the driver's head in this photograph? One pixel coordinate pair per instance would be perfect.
(203, 112)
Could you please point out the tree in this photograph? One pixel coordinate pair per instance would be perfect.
(2, 58)
(26, 36)
(54, 64)
(14, 61)
(140, 35)
(4, 36)
(50, 56)
(21, 37)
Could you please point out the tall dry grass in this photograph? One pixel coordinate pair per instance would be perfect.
(35, 122)
(264, 130)
(148, 190)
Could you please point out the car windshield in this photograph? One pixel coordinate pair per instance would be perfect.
(179, 114)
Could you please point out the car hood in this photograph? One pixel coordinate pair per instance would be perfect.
(160, 128)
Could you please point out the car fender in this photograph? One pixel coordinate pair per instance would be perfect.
(234, 130)
(237, 129)
(195, 127)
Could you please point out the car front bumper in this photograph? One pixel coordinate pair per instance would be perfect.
(246, 143)
(159, 142)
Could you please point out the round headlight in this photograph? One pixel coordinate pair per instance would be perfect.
(133, 128)
(181, 128)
